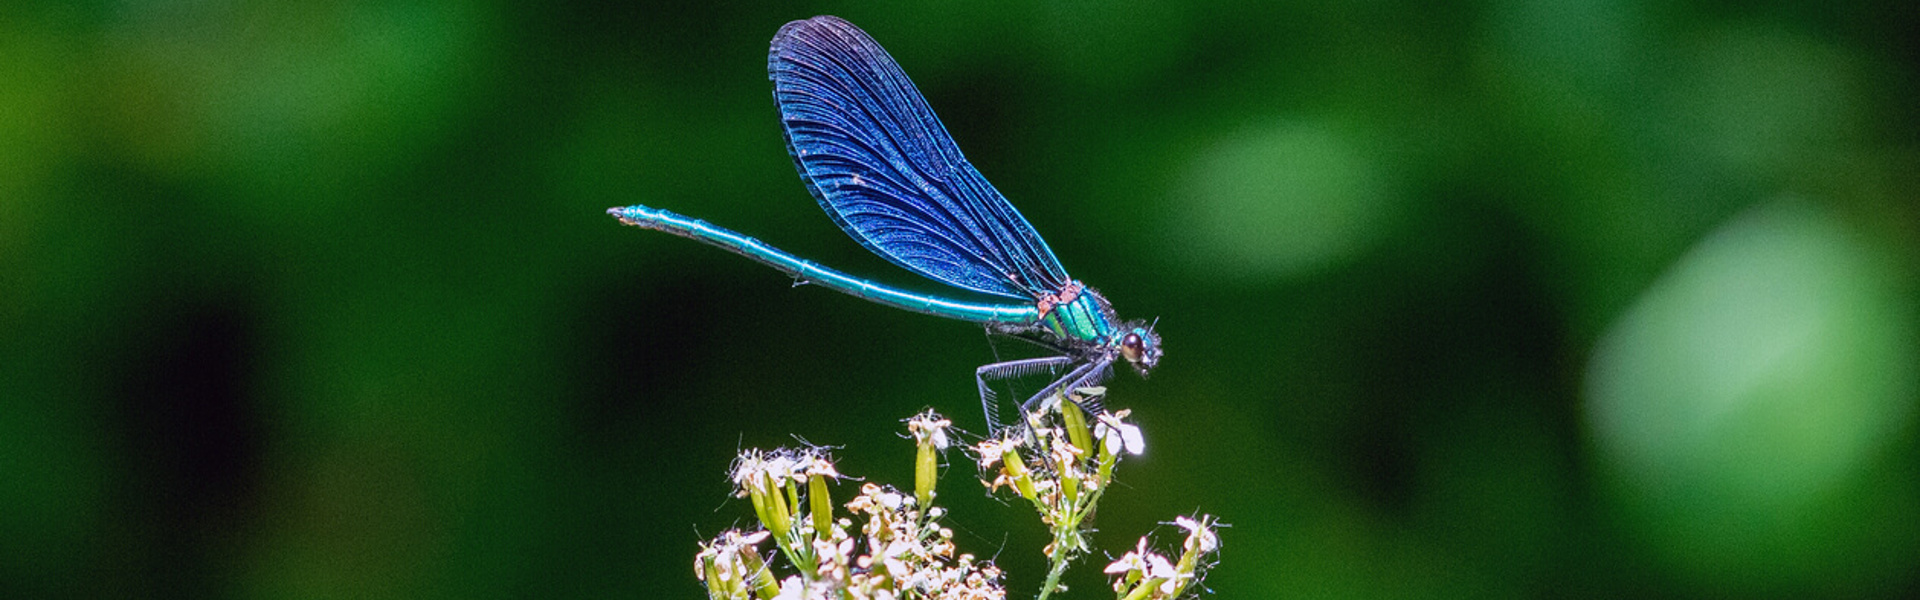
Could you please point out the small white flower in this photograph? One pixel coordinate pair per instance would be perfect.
(891, 500)
(929, 427)
(819, 464)
(897, 568)
(1128, 562)
(1171, 577)
(989, 452)
(896, 549)
(1159, 567)
(1134, 560)
(792, 588)
(782, 467)
(1200, 535)
(1119, 435)
(746, 472)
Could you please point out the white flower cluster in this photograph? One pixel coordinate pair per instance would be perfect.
(1054, 464)
(1142, 574)
(1062, 484)
(898, 550)
(909, 555)
(893, 546)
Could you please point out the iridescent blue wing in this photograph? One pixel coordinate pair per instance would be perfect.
(881, 165)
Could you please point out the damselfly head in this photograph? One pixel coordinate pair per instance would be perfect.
(1141, 348)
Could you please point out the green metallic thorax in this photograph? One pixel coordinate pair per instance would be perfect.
(1086, 318)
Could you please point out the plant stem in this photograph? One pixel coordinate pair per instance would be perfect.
(1061, 557)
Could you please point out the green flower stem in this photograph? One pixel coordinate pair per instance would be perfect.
(793, 505)
(1059, 566)
(926, 473)
(1145, 588)
(1069, 485)
(761, 510)
(1022, 480)
(822, 507)
(783, 501)
(761, 578)
(1067, 541)
(781, 518)
(1075, 422)
(715, 587)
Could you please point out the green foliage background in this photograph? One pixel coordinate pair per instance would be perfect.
(1506, 298)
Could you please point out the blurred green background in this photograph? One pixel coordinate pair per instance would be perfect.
(1506, 298)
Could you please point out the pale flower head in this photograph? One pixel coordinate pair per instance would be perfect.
(747, 473)
(1133, 560)
(929, 427)
(1159, 567)
(782, 466)
(1171, 577)
(812, 462)
(989, 452)
(792, 588)
(723, 557)
(1119, 435)
(1200, 534)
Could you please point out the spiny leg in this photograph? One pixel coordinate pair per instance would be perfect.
(1010, 369)
(1088, 374)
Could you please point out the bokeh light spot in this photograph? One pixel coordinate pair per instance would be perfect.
(1757, 101)
(1281, 200)
(1742, 396)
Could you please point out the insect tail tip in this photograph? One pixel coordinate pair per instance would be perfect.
(620, 213)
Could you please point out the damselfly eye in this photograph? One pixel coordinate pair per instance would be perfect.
(1133, 347)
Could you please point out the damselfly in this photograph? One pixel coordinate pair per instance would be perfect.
(883, 167)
